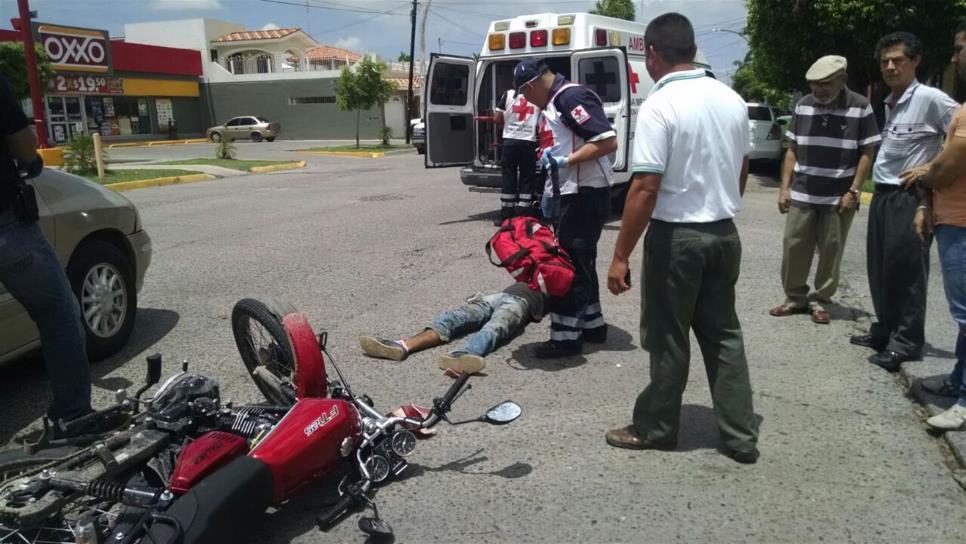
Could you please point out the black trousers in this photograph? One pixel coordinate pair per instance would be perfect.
(582, 218)
(519, 173)
(898, 267)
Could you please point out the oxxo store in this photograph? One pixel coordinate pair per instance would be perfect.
(118, 89)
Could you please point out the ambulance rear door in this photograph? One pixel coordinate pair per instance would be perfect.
(604, 71)
(449, 92)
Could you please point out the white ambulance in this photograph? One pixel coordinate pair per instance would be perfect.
(603, 53)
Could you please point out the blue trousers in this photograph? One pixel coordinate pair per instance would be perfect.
(30, 271)
(493, 319)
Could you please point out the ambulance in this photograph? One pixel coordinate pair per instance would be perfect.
(603, 53)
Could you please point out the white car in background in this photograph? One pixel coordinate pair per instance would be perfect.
(766, 132)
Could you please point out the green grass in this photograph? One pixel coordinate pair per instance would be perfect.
(234, 164)
(868, 186)
(365, 148)
(117, 176)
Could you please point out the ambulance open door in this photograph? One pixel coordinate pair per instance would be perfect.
(448, 106)
(604, 71)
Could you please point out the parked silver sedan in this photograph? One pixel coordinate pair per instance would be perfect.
(98, 237)
(246, 127)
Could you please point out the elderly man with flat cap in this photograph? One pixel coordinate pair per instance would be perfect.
(833, 136)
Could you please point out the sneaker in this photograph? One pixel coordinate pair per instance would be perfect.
(382, 348)
(950, 420)
(595, 336)
(555, 350)
(460, 361)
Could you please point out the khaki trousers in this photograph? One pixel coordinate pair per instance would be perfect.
(809, 230)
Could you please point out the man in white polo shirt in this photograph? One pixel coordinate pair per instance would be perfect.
(689, 165)
(917, 117)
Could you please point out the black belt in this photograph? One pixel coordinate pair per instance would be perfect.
(889, 188)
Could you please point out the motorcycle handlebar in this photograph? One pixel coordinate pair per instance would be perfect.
(453, 391)
(333, 513)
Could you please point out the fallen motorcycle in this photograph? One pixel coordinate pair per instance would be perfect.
(191, 469)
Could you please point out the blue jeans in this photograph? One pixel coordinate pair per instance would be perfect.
(493, 319)
(29, 269)
(952, 257)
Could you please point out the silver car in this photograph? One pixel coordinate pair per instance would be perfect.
(419, 135)
(246, 127)
(97, 235)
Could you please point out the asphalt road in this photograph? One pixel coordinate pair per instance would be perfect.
(381, 245)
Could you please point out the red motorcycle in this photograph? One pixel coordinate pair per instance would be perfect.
(191, 469)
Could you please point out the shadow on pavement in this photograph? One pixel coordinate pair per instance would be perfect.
(617, 340)
(24, 389)
(484, 216)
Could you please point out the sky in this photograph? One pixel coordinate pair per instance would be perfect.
(383, 27)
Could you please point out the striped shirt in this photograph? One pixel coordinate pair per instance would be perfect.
(913, 135)
(829, 139)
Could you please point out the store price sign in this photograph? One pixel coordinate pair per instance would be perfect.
(87, 84)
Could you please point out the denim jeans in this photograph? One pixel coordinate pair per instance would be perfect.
(493, 319)
(29, 269)
(952, 257)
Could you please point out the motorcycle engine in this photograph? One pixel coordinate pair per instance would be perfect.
(186, 395)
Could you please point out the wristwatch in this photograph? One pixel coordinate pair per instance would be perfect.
(855, 192)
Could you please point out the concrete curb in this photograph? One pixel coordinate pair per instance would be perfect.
(363, 154)
(155, 182)
(276, 167)
(934, 405)
(158, 142)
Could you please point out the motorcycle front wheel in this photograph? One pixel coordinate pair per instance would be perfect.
(265, 348)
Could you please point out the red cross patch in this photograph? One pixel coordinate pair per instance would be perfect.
(522, 109)
(580, 115)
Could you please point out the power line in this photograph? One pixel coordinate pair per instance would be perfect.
(328, 7)
(457, 25)
(359, 22)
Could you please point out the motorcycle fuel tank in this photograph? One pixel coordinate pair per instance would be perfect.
(206, 454)
(306, 444)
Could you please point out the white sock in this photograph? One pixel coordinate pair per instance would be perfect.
(403, 344)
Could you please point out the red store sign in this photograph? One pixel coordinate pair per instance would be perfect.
(75, 49)
(87, 84)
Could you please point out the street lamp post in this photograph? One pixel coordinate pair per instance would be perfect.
(736, 33)
(27, 35)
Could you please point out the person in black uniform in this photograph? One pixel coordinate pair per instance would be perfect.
(31, 272)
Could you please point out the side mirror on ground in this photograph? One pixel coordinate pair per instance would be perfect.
(503, 413)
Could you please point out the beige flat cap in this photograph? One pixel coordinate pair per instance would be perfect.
(826, 67)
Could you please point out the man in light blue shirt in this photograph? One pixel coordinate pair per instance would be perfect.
(917, 117)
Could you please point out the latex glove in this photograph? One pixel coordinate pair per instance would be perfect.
(547, 157)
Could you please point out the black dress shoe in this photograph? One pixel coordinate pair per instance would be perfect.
(890, 360)
(555, 350)
(748, 457)
(868, 341)
(595, 336)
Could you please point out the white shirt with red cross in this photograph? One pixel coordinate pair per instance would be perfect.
(519, 118)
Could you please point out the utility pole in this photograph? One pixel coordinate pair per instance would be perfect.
(412, 51)
(422, 41)
(27, 34)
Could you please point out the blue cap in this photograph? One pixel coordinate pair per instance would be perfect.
(527, 70)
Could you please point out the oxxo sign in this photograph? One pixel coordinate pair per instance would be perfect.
(75, 49)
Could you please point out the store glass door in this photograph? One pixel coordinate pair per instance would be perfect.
(65, 117)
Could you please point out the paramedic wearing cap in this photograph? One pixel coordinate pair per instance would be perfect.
(832, 137)
(574, 133)
(690, 165)
(519, 119)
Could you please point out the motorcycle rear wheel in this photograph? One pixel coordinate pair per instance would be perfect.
(265, 348)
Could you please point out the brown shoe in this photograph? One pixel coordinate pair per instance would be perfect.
(784, 310)
(820, 316)
(628, 437)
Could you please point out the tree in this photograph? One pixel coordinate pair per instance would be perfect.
(404, 57)
(621, 9)
(786, 37)
(13, 65)
(748, 83)
(361, 87)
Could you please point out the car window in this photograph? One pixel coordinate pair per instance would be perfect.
(262, 120)
(602, 76)
(246, 121)
(449, 86)
(233, 123)
(759, 113)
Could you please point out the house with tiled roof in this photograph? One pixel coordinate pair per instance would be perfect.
(282, 74)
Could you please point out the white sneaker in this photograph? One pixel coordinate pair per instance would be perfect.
(950, 420)
(460, 361)
(382, 348)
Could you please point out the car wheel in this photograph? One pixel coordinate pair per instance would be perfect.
(270, 139)
(215, 137)
(256, 137)
(421, 150)
(102, 278)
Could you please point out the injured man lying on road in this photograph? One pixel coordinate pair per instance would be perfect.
(492, 319)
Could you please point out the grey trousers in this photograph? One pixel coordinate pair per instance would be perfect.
(808, 229)
(689, 276)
